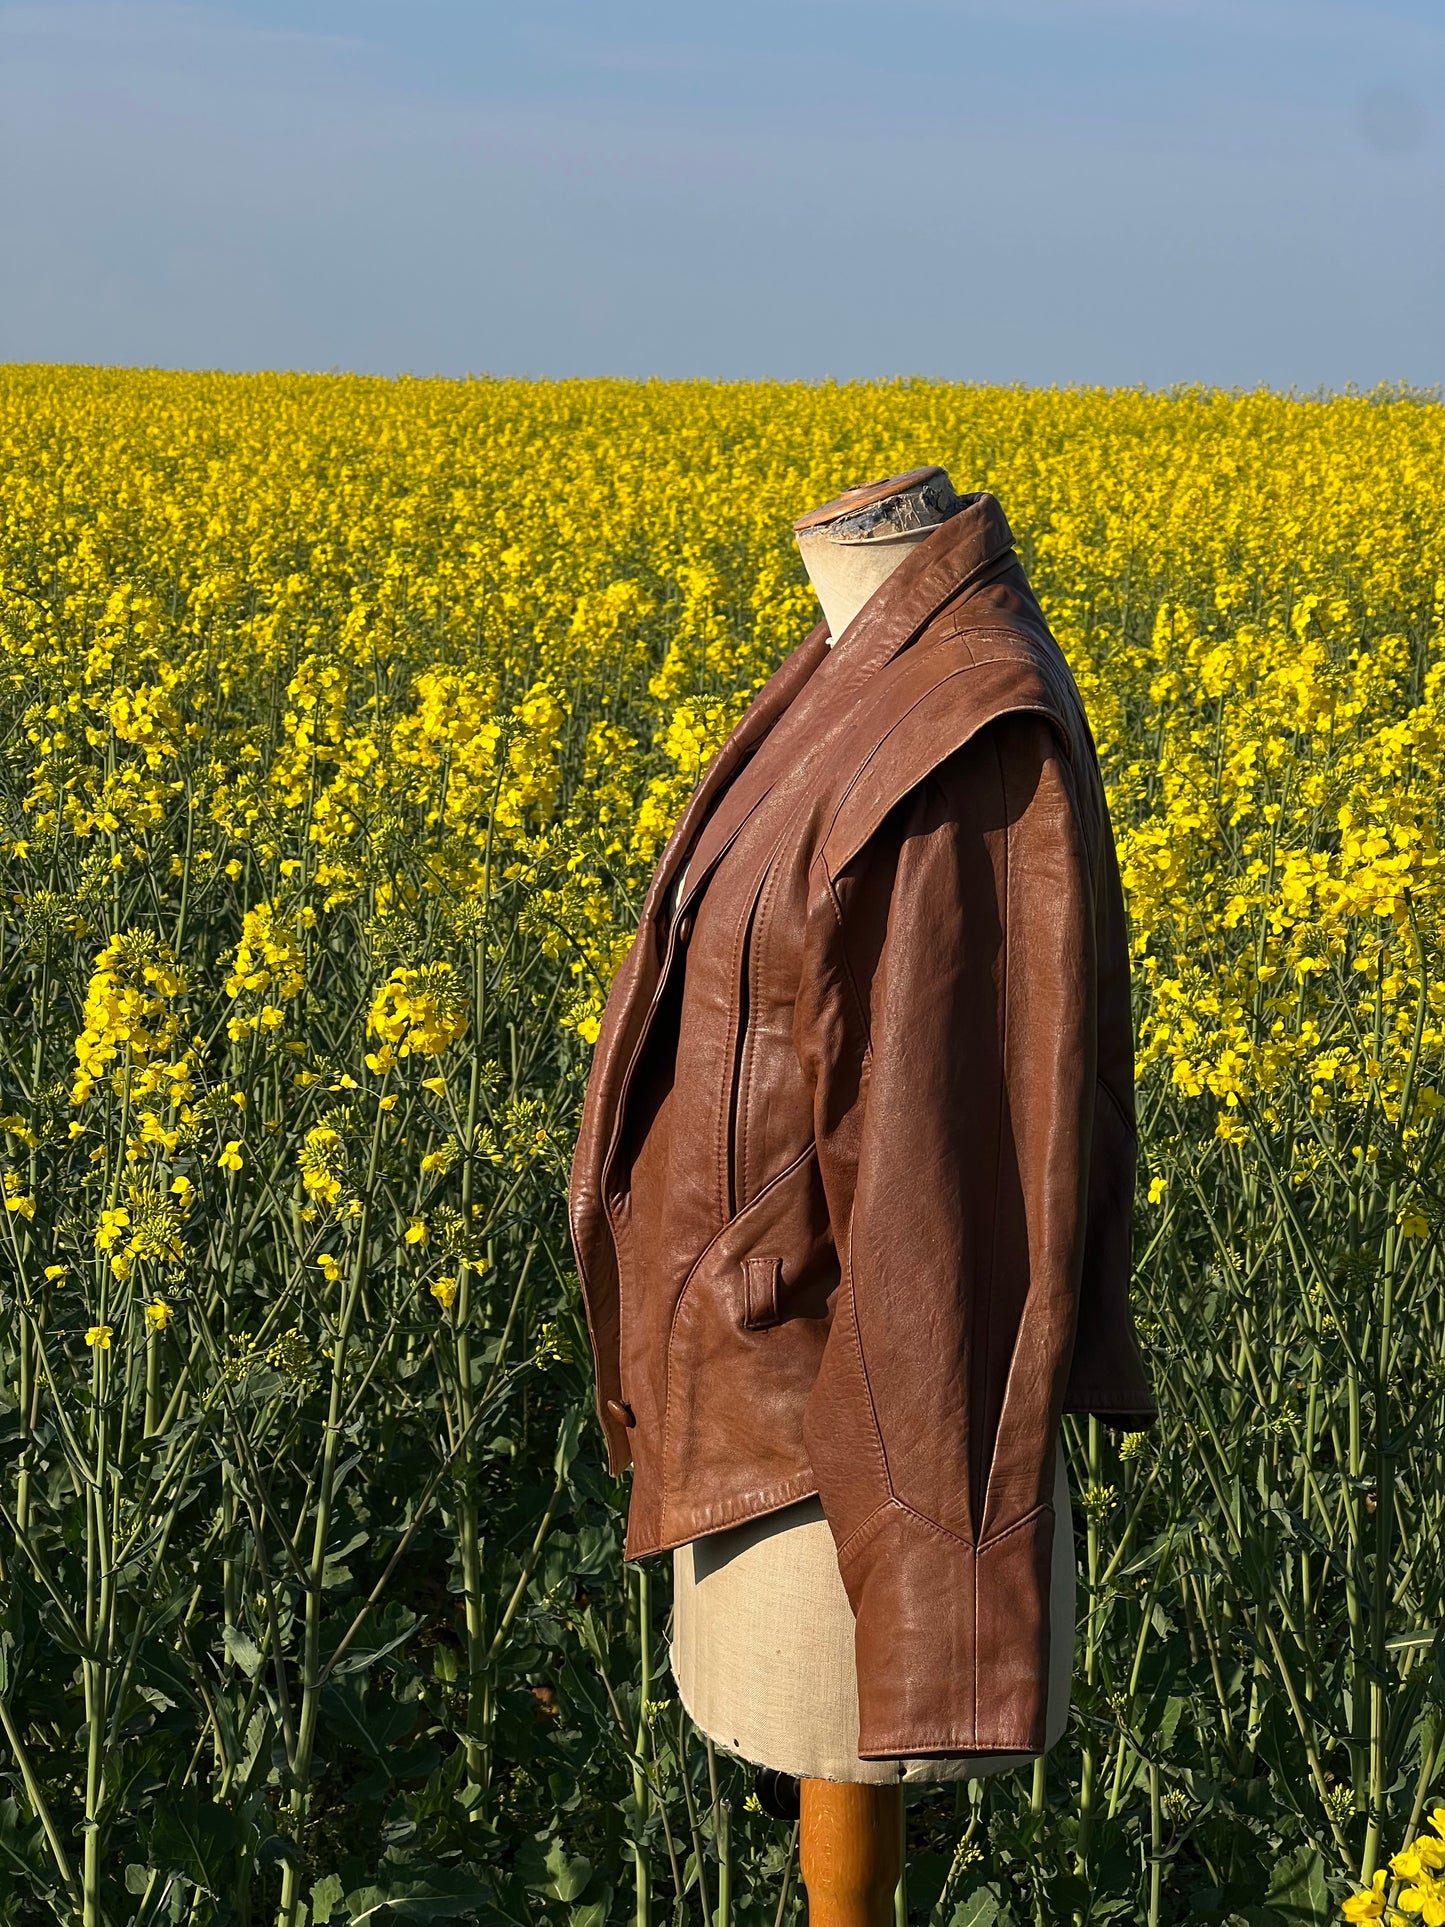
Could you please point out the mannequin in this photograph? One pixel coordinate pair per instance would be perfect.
(762, 1629)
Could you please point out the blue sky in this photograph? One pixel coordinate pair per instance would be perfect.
(1115, 191)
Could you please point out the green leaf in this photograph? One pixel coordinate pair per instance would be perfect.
(382, 1631)
(372, 1721)
(569, 1876)
(442, 1896)
(593, 1914)
(19, 1844)
(365, 1903)
(554, 1871)
(193, 1836)
(335, 1571)
(414, 1762)
(1297, 1889)
(326, 1897)
(979, 1910)
(243, 1649)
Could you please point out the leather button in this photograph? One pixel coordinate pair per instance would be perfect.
(684, 929)
(624, 1414)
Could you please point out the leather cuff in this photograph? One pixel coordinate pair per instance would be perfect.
(944, 1627)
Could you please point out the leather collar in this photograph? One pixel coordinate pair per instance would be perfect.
(818, 684)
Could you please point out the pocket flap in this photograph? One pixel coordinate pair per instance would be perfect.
(762, 1286)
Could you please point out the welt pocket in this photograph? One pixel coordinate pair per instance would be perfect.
(762, 1291)
(720, 1248)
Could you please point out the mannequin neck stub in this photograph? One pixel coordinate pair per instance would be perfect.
(845, 575)
(851, 546)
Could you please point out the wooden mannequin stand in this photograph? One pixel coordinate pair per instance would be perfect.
(851, 1851)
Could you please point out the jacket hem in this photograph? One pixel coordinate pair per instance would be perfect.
(699, 1521)
(1110, 1408)
(911, 1746)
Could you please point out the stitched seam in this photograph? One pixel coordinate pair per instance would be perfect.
(976, 1551)
(954, 1538)
(956, 1739)
(722, 1159)
(977, 1635)
(933, 1525)
(878, 1445)
(728, 1110)
(974, 662)
(764, 1312)
(1029, 1518)
(1118, 1104)
(991, 1276)
(684, 829)
(917, 703)
(885, 1505)
(747, 1055)
(1047, 711)
(746, 1268)
(852, 981)
(756, 1504)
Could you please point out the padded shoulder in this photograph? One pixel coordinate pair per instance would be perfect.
(929, 703)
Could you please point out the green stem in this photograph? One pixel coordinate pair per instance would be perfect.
(1091, 1656)
(724, 1866)
(643, 1912)
(36, 1798)
(292, 1873)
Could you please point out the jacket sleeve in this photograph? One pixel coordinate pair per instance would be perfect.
(957, 950)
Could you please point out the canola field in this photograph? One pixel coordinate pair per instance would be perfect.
(343, 722)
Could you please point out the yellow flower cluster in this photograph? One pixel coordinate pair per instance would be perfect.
(417, 1013)
(323, 1173)
(132, 1029)
(16, 1198)
(1421, 1896)
(149, 1225)
(269, 970)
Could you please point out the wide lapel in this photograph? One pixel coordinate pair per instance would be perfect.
(961, 552)
(771, 702)
(636, 982)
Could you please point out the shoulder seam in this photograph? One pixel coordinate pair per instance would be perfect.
(1046, 708)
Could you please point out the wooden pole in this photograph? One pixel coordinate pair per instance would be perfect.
(851, 1852)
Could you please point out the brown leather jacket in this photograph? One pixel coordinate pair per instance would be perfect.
(851, 1198)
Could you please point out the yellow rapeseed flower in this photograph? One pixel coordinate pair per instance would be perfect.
(15, 1196)
(420, 1011)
